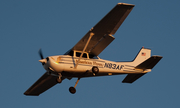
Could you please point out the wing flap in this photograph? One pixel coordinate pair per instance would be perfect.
(130, 78)
(42, 84)
(102, 44)
(107, 26)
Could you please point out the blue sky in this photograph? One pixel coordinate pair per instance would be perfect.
(57, 25)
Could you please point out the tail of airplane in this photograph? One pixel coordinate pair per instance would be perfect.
(143, 55)
(143, 61)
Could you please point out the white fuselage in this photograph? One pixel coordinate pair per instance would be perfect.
(65, 64)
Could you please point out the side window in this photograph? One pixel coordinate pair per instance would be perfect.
(92, 56)
(78, 54)
(84, 55)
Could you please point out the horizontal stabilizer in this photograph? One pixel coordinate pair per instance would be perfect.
(45, 82)
(130, 78)
(149, 63)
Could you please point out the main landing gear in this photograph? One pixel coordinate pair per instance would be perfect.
(72, 90)
(95, 70)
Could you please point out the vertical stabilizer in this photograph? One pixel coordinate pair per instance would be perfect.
(143, 61)
(143, 55)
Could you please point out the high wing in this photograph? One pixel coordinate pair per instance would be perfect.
(41, 85)
(104, 30)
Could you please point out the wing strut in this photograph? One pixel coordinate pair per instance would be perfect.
(90, 36)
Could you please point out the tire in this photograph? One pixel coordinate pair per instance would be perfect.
(72, 90)
(58, 80)
(95, 69)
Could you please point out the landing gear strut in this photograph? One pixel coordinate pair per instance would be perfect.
(72, 90)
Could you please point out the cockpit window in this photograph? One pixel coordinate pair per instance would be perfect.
(78, 54)
(71, 53)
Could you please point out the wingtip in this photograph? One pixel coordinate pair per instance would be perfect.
(126, 4)
(30, 94)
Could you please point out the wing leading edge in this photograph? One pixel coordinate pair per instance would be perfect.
(104, 30)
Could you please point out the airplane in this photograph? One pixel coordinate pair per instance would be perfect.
(82, 60)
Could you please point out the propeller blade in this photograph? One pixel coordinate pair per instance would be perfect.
(40, 54)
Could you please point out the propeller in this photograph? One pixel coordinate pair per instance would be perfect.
(40, 54)
(43, 61)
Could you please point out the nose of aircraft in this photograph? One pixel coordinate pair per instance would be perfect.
(43, 61)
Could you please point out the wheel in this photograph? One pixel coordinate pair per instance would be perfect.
(95, 69)
(58, 80)
(72, 90)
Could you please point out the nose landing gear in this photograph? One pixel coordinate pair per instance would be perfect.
(59, 79)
